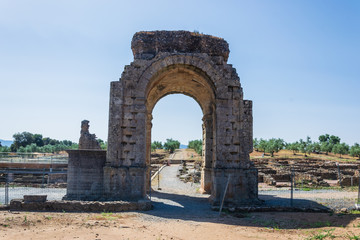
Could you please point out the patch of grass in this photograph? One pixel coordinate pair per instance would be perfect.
(353, 236)
(48, 217)
(354, 212)
(323, 235)
(320, 224)
(106, 216)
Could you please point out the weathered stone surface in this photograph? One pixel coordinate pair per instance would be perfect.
(87, 140)
(85, 174)
(146, 45)
(167, 62)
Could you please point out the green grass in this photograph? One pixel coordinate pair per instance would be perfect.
(323, 235)
(353, 236)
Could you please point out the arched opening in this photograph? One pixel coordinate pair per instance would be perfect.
(194, 83)
(177, 117)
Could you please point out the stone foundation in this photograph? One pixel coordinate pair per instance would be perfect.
(85, 174)
(124, 183)
(79, 206)
(241, 180)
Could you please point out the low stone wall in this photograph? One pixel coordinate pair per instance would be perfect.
(80, 206)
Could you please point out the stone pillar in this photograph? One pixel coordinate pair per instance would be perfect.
(207, 154)
(148, 151)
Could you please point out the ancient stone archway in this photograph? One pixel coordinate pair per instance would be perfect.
(167, 62)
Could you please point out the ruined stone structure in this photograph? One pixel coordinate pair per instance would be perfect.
(87, 140)
(167, 62)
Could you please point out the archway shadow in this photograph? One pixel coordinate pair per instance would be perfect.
(198, 209)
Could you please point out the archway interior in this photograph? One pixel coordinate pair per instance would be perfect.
(192, 82)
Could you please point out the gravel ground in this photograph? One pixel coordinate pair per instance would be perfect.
(19, 192)
(178, 198)
(175, 195)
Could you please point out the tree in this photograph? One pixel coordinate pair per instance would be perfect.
(316, 147)
(103, 145)
(327, 142)
(196, 145)
(324, 138)
(341, 149)
(171, 145)
(274, 145)
(262, 146)
(355, 150)
(158, 145)
(256, 144)
(326, 147)
(334, 140)
(294, 147)
(22, 140)
(305, 146)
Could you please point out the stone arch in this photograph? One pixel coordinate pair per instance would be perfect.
(193, 64)
(193, 82)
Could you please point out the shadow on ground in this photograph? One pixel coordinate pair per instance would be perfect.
(198, 209)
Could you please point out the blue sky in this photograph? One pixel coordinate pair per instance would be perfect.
(299, 61)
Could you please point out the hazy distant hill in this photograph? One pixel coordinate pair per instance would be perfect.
(182, 146)
(6, 142)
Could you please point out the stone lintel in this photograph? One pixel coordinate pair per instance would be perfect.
(146, 45)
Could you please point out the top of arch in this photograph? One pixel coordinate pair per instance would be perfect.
(146, 45)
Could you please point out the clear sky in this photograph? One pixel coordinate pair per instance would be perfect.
(299, 61)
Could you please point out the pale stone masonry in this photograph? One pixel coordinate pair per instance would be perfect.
(193, 64)
(167, 62)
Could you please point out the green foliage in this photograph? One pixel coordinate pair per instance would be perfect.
(274, 145)
(355, 150)
(340, 148)
(27, 142)
(171, 145)
(271, 146)
(158, 145)
(262, 145)
(327, 142)
(294, 147)
(256, 144)
(4, 149)
(306, 146)
(103, 145)
(196, 145)
(326, 147)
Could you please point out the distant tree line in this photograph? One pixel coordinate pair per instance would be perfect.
(170, 145)
(27, 142)
(326, 144)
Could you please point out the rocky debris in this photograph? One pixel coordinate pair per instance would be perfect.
(87, 140)
(189, 173)
(307, 172)
(80, 206)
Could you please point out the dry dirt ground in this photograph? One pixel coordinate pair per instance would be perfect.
(48, 225)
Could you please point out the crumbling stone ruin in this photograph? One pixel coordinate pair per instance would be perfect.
(307, 172)
(167, 62)
(87, 140)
